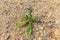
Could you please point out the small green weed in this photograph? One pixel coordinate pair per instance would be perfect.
(30, 20)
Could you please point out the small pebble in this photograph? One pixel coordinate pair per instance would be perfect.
(7, 36)
(39, 38)
(41, 34)
(1, 6)
(37, 29)
(43, 25)
(32, 1)
(41, 28)
(19, 2)
(57, 22)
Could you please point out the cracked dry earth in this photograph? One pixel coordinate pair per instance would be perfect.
(11, 12)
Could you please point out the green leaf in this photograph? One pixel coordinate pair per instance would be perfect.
(35, 19)
(26, 17)
(30, 18)
(20, 24)
(30, 29)
(30, 10)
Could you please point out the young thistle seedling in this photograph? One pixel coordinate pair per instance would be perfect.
(28, 19)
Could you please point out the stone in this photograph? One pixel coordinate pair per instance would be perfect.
(41, 28)
(1, 6)
(32, 1)
(7, 36)
(57, 22)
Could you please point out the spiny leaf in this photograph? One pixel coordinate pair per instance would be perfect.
(30, 29)
(26, 17)
(35, 19)
(20, 24)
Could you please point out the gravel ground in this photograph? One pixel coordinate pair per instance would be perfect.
(11, 12)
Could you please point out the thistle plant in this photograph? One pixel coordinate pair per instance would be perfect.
(30, 20)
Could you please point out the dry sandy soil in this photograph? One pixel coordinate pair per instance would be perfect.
(11, 12)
